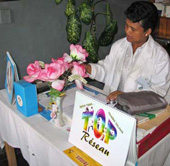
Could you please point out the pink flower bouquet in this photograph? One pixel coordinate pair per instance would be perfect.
(60, 71)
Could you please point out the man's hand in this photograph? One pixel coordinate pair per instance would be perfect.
(88, 68)
(113, 96)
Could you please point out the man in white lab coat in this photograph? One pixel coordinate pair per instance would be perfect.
(136, 62)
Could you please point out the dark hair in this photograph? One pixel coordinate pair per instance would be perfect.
(144, 12)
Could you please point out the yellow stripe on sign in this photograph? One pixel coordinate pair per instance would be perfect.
(80, 158)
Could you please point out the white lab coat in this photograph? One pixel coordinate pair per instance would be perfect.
(152, 64)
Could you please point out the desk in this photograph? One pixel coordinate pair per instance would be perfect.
(42, 143)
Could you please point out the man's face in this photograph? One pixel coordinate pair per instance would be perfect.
(135, 32)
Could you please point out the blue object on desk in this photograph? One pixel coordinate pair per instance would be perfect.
(91, 90)
(85, 87)
(45, 113)
(26, 98)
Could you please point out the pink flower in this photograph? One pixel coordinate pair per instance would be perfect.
(78, 53)
(51, 72)
(65, 61)
(58, 84)
(67, 58)
(33, 71)
(80, 70)
(43, 74)
(57, 73)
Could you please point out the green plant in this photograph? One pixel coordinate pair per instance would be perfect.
(85, 14)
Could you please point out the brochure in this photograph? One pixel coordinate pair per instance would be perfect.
(11, 76)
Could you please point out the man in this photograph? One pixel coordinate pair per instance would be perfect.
(135, 62)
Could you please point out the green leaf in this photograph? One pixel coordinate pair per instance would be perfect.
(73, 29)
(91, 45)
(70, 8)
(85, 11)
(108, 34)
(55, 93)
(58, 1)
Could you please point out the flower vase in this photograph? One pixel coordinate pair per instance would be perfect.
(57, 112)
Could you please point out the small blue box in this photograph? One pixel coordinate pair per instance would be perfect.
(26, 98)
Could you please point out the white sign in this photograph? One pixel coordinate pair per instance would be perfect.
(102, 132)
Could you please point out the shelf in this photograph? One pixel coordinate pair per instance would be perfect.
(163, 28)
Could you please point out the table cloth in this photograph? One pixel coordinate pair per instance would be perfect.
(42, 143)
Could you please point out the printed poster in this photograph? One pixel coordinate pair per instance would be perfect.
(102, 132)
(11, 76)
